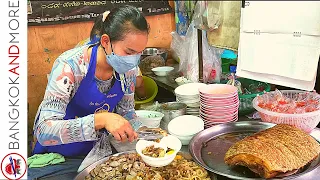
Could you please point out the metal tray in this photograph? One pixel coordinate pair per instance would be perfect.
(86, 171)
(208, 149)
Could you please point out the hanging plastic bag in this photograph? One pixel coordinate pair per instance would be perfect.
(187, 50)
(211, 58)
(179, 51)
(101, 149)
(211, 61)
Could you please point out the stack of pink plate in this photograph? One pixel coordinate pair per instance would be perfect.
(219, 103)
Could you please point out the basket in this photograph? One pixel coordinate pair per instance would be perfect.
(306, 121)
(245, 106)
(151, 89)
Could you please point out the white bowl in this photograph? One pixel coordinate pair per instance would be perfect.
(189, 89)
(182, 80)
(151, 119)
(185, 140)
(186, 125)
(162, 71)
(166, 142)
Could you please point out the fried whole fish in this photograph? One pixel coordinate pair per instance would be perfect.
(274, 151)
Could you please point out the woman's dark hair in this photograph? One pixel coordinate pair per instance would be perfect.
(119, 22)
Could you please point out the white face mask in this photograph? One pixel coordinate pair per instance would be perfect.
(122, 64)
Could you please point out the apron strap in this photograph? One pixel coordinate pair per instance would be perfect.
(93, 62)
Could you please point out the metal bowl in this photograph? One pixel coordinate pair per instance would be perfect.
(153, 51)
(172, 110)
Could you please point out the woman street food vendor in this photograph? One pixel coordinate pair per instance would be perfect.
(95, 37)
(90, 88)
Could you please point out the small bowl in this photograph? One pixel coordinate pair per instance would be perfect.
(162, 71)
(166, 142)
(151, 119)
(182, 80)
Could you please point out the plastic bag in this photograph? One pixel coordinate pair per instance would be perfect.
(189, 65)
(211, 61)
(187, 50)
(178, 50)
(208, 15)
(101, 149)
(200, 15)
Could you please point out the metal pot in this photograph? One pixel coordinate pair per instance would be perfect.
(153, 51)
(171, 110)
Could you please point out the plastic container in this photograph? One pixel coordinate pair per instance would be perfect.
(246, 99)
(246, 107)
(166, 142)
(151, 89)
(151, 119)
(228, 58)
(182, 80)
(306, 121)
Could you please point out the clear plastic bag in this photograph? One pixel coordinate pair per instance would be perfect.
(200, 15)
(208, 15)
(178, 50)
(211, 61)
(187, 49)
(189, 64)
(101, 149)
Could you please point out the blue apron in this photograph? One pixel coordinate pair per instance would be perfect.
(87, 100)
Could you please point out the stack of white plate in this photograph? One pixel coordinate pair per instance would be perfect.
(189, 94)
(219, 104)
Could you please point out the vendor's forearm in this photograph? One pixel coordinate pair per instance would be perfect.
(55, 132)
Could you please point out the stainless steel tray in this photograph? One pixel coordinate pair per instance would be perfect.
(86, 171)
(208, 149)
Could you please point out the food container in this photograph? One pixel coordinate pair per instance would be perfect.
(151, 89)
(166, 142)
(171, 110)
(305, 121)
(151, 119)
(153, 51)
(162, 71)
(246, 107)
(185, 127)
(182, 80)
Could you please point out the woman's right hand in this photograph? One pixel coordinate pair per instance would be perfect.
(118, 126)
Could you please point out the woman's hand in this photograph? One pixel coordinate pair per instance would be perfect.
(118, 126)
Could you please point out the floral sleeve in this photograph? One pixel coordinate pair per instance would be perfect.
(126, 105)
(50, 128)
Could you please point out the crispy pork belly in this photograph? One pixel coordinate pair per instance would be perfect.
(274, 152)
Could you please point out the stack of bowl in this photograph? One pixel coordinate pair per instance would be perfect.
(185, 127)
(219, 103)
(189, 94)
